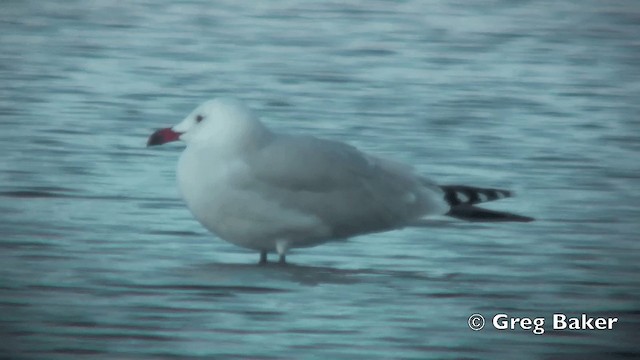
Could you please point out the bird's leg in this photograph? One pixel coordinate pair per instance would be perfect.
(263, 257)
(281, 247)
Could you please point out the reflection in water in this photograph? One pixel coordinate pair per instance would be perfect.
(274, 273)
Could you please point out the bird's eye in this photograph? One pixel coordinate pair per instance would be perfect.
(199, 118)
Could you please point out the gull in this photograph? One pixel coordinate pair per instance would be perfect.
(272, 192)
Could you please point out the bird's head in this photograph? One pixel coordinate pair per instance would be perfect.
(220, 122)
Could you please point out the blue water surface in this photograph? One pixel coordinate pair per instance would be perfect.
(100, 259)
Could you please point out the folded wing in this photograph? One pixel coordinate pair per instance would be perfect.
(349, 191)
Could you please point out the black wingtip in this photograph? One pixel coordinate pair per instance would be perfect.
(456, 195)
(478, 214)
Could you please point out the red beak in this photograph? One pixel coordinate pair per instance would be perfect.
(163, 136)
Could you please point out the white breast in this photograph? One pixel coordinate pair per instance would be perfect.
(225, 199)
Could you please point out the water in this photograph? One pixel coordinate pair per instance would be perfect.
(100, 258)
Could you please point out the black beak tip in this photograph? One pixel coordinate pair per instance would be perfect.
(154, 139)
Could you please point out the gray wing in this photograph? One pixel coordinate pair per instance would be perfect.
(351, 192)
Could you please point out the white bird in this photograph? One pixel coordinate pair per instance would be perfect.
(273, 192)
